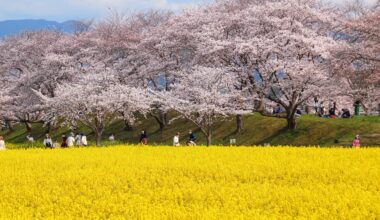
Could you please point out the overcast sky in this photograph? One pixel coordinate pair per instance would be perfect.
(62, 10)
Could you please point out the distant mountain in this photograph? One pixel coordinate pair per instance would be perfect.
(11, 27)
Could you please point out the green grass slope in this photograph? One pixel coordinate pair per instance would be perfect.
(257, 130)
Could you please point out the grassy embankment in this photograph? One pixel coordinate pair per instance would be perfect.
(257, 130)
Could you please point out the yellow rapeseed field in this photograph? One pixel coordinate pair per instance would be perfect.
(190, 183)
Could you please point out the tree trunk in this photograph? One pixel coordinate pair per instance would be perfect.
(98, 132)
(163, 117)
(308, 109)
(209, 137)
(127, 126)
(9, 125)
(292, 124)
(239, 123)
(48, 128)
(28, 127)
(162, 122)
(98, 138)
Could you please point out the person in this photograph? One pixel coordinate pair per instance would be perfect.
(346, 113)
(111, 138)
(143, 138)
(30, 138)
(332, 113)
(2, 143)
(83, 139)
(277, 109)
(70, 140)
(64, 141)
(316, 106)
(48, 143)
(78, 140)
(356, 142)
(56, 144)
(192, 139)
(176, 140)
(321, 109)
(298, 113)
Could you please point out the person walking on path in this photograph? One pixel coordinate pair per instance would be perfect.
(64, 141)
(70, 140)
(192, 139)
(30, 138)
(356, 142)
(143, 138)
(48, 142)
(2, 143)
(78, 140)
(111, 138)
(176, 140)
(83, 140)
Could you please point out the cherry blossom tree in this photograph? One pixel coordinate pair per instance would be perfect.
(204, 96)
(279, 49)
(95, 100)
(118, 39)
(358, 62)
(23, 58)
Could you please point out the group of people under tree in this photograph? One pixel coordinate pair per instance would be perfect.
(67, 141)
(332, 112)
(319, 109)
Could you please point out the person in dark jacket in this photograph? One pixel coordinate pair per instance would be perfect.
(346, 113)
(64, 141)
(192, 139)
(143, 138)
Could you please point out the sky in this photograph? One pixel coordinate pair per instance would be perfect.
(63, 10)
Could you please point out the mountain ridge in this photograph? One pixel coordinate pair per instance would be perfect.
(12, 27)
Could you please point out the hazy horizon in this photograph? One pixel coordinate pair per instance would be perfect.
(55, 10)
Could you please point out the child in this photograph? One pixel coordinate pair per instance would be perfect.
(356, 142)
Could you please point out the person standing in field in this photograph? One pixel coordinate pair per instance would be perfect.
(83, 140)
(356, 142)
(176, 140)
(70, 140)
(111, 138)
(192, 139)
(143, 138)
(48, 143)
(78, 140)
(64, 141)
(2, 143)
(30, 138)
(56, 144)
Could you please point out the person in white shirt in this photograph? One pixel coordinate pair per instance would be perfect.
(2, 143)
(111, 138)
(70, 140)
(30, 138)
(84, 140)
(176, 140)
(48, 143)
(78, 140)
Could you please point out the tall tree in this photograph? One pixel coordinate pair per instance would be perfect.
(204, 96)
